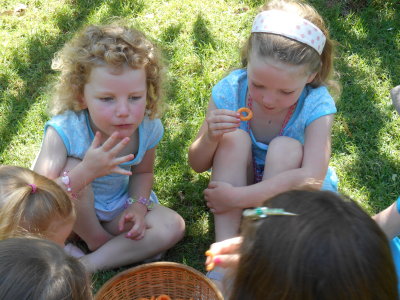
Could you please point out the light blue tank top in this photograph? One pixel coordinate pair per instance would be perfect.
(230, 93)
(77, 136)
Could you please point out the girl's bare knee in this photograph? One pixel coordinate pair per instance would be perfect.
(234, 147)
(177, 228)
(287, 149)
(283, 154)
(172, 231)
(236, 138)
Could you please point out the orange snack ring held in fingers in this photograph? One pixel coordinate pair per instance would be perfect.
(248, 111)
(211, 265)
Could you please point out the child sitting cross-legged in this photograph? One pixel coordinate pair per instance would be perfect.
(101, 144)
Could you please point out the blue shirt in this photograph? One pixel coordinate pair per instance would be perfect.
(230, 93)
(77, 136)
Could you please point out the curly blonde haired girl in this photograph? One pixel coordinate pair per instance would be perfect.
(100, 146)
(111, 45)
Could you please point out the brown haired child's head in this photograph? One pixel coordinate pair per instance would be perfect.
(32, 268)
(112, 46)
(33, 205)
(330, 250)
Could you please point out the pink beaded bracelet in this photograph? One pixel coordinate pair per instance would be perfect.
(67, 182)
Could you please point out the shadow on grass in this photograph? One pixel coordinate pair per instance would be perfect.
(359, 105)
(185, 193)
(203, 41)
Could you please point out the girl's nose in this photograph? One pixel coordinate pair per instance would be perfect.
(122, 109)
(268, 99)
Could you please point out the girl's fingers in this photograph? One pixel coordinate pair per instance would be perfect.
(96, 140)
(110, 142)
(225, 119)
(228, 246)
(227, 260)
(119, 170)
(134, 232)
(226, 112)
(122, 221)
(140, 236)
(119, 146)
(122, 159)
(223, 126)
(212, 185)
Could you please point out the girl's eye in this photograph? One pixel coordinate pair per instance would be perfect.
(257, 86)
(287, 93)
(106, 99)
(135, 98)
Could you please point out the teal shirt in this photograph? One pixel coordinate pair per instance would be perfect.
(77, 136)
(230, 93)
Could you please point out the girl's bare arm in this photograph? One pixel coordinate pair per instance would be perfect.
(217, 123)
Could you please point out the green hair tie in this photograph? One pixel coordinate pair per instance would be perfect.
(263, 212)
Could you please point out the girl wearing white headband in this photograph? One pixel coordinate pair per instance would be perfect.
(286, 65)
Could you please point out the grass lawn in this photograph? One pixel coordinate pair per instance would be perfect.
(200, 41)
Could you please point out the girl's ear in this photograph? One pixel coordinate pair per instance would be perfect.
(82, 101)
(311, 77)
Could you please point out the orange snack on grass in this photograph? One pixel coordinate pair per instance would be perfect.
(246, 110)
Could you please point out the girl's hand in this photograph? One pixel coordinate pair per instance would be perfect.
(136, 217)
(224, 254)
(220, 196)
(102, 160)
(221, 121)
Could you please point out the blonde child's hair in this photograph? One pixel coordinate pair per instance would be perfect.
(32, 268)
(292, 52)
(24, 212)
(105, 45)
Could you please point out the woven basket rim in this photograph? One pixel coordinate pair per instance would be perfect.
(110, 282)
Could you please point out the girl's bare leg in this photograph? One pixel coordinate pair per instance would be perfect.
(164, 229)
(284, 153)
(231, 162)
(389, 221)
(87, 225)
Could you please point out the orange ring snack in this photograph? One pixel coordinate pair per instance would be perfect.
(246, 110)
(211, 265)
(163, 297)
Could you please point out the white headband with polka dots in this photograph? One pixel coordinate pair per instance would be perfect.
(290, 25)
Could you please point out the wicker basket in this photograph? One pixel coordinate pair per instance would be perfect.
(175, 280)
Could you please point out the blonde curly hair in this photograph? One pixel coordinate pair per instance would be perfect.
(111, 45)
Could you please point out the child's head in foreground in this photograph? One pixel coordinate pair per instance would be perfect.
(331, 249)
(114, 47)
(32, 268)
(312, 56)
(33, 205)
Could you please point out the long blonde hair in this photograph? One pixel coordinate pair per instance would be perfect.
(107, 45)
(292, 52)
(25, 212)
